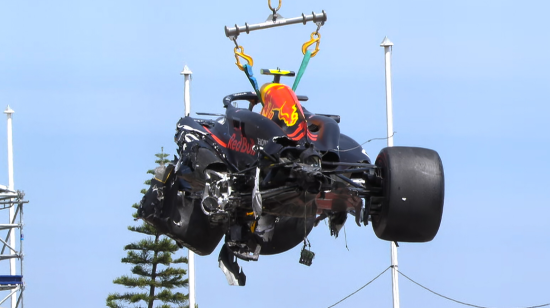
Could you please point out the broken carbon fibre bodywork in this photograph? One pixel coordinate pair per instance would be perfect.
(262, 180)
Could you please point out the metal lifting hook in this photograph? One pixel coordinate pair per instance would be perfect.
(272, 9)
(313, 40)
(242, 55)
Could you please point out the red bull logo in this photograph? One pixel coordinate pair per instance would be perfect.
(288, 113)
(278, 97)
(267, 111)
(241, 144)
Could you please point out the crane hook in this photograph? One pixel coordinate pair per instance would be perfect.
(272, 9)
(313, 40)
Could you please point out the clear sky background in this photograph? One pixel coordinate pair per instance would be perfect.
(96, 90)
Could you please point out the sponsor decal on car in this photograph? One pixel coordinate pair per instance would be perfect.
(262, 142)
(241, 144)
(287, 111)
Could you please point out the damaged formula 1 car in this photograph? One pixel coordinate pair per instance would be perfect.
(263, 180)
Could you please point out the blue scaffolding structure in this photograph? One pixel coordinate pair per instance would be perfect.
(12, 284)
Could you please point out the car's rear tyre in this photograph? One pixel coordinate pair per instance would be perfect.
(413, 188)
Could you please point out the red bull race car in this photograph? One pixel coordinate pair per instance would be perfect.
(262, 181)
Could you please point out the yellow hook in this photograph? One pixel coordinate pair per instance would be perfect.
(313, 40)
(244, 56)
(274, 10)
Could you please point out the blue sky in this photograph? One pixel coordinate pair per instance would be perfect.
(96, 90)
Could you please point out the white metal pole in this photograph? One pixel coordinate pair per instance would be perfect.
(387, 44)
(394, 275)
(22, 288)
(11, 186)
(186, 93)
(191, 264)
(191, 255)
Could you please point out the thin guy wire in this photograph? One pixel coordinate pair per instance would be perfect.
(367, 142)
(454, 300)
(343, 299)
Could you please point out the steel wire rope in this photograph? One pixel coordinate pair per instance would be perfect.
(343, 299)
(384, 138)
(457, 301)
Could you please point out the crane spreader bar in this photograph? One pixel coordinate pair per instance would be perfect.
(315, 17)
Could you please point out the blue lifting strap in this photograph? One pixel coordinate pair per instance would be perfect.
(303, 67)
(253, 81)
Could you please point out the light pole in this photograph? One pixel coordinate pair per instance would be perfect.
(191, 255)
(11, 187)
(186, 93)
(387, 44)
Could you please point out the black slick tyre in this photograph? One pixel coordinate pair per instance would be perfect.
(413, 189)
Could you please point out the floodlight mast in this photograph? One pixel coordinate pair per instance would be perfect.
(387, 44)
(186, 93)
(191, 255)
(11, 186)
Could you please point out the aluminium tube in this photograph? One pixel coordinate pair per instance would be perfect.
(315, 17)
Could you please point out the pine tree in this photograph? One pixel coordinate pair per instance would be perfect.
(151, 259)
